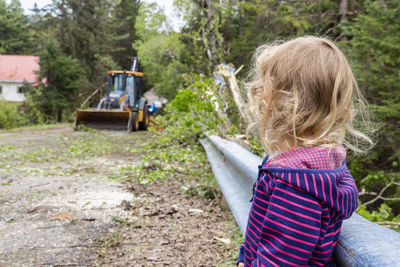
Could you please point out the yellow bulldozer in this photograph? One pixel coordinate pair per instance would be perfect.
(122, 107)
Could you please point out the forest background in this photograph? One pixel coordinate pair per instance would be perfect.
(79, 40)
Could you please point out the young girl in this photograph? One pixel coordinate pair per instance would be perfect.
(303, 92)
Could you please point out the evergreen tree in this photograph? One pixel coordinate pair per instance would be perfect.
(63, 78)
(84, 34)
(123, 25)
(374, 48)
(14, 33)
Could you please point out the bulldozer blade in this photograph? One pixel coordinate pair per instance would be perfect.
(103, 119)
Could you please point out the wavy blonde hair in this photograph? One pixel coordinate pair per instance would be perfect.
(303, 93)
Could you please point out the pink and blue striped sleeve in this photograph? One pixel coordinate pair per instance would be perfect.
(290, 227)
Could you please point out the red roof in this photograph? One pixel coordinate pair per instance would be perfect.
(19, 68)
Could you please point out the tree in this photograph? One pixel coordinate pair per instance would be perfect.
(64, 79)
(123, 24)
(160, 51)
(211, 25)
(374, 50)
(14, 33)
(87, 31)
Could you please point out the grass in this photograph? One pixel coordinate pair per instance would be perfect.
(64, 153)
(37, 127)
(236, 237)
(169, 162)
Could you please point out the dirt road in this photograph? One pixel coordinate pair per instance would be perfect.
(61, 205)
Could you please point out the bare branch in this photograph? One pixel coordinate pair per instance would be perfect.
(92, 94)
(238, 70)
(390, 198)
(365, 193)
(379, 196)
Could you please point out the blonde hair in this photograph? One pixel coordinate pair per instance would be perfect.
(303, 93)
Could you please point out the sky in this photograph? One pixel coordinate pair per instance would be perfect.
(28, 4)
(166, 4)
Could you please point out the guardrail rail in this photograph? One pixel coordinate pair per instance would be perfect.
(361, 242)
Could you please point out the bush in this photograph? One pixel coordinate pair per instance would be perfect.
(190, 114)
(9, 115)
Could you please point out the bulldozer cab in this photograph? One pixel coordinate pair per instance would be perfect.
(124, 90)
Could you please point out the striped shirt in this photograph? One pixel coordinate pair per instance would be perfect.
(297, 213)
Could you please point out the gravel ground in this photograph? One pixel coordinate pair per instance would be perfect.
(59, 206)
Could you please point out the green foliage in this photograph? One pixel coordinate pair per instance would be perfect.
(151, 21)
(383, 215)
(176, 151)
(14, 33)
(256, 146)
(242, 26)
(168, 162)
(9, 115)
(97, 33)
(85, 33)
(374, 51)
(64, 78)
(35, 106)
(122, 24)
(160, 51)
(190, 114)
(159, 56)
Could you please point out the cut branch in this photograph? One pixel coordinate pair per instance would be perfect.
(93, 94)
(229, 75)
(226, 124)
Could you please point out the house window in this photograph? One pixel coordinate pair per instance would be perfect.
(21, 90)
(1, 89)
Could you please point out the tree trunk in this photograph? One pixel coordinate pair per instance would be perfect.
(383, 4)
(212, 34)
(59, 115)
(240, 24)
(63, 22)
(343, 10)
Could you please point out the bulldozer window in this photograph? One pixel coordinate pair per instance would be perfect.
(117, 85)
(129, 85)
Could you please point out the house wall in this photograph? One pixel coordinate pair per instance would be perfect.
(10, 92)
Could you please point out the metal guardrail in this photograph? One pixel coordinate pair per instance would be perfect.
(361, 242)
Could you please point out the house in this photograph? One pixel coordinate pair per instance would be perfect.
(14, 71)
